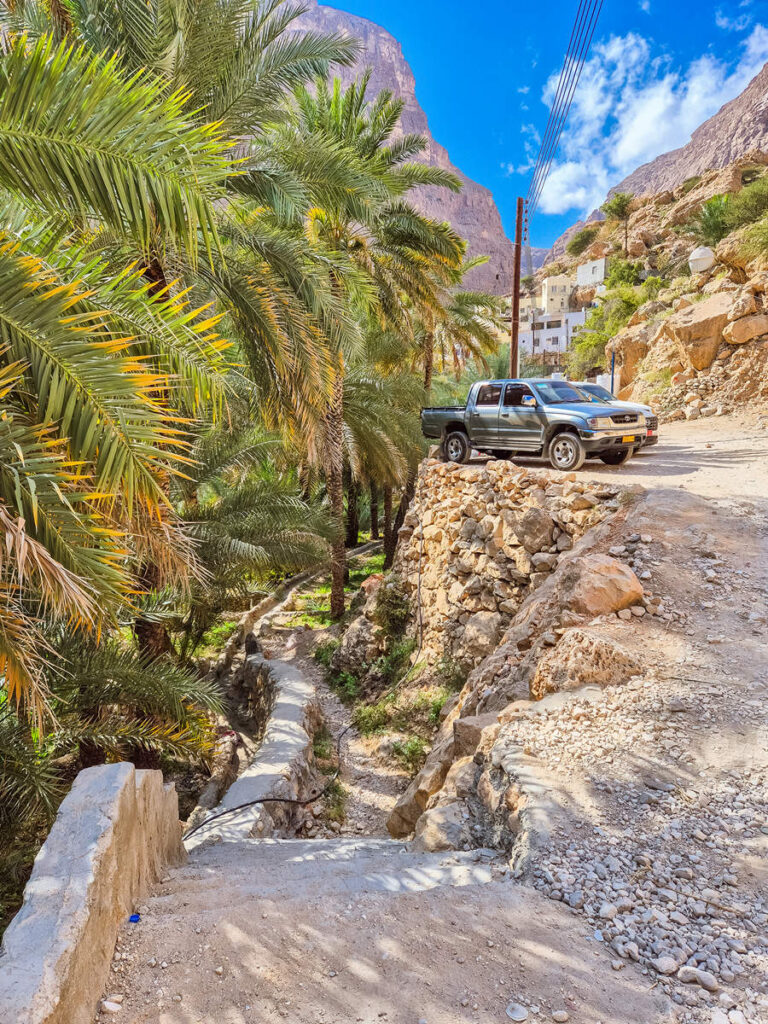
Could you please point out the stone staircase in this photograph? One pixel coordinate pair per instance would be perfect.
(354, 931)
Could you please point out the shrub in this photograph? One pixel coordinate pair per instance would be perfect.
(393, 609)
(393, 662)
(711, 224)
(346, 686)
(411, 753)
(325, 651)
(690, 184)
(613, 313)
(623, 272)
(748, 206)
(452, 673)
(582, 240)
(372, 718)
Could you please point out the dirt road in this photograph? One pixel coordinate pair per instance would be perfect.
(716, 458)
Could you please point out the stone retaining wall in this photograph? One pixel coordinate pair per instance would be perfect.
(478, 539)
(115, 833)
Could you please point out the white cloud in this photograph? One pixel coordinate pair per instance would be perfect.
(739, 24)
(630, 107)
(645, 5)
(524, 90)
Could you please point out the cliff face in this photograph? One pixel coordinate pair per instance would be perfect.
(473, 212)
(736, 129)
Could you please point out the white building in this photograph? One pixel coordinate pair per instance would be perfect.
(556, 293)
(551, 333)
(589, 275)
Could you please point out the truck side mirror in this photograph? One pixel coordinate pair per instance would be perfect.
(528, 402)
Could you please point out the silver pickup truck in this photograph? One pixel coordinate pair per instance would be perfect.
(547, 418)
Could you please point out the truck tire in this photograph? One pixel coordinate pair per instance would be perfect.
(456, 447)
(617, 457)
(566, 453)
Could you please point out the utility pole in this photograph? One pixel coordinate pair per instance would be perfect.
(514, 359)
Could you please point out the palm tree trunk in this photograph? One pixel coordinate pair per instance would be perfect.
(402, 509)
(374, 512)
(429, 363)
(387, 516)
(334, 481)
(353, 513)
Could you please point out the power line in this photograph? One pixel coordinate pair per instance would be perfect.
(559, 94)
(582, 34)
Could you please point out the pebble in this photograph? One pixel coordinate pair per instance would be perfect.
(107, 1006)
(695, 976)
(218, 970)
(665, 964)
(517, 1012)
(561, 1016)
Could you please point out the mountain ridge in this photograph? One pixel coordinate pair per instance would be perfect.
(473, 211)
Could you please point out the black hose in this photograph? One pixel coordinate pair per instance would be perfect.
(277, 799)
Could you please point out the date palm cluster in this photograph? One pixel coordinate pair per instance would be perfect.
(220, 309)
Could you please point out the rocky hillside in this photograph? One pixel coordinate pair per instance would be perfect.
(473, 212)
(736, 129)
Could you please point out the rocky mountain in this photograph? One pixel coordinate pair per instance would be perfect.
(473, 212)
(736, 129)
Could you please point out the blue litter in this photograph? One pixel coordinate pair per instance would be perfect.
(134, 918)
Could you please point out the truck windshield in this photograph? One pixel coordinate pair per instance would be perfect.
(556, 392)
(597, 391)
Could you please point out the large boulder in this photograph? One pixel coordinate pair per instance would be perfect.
(739, 332)
(630, 347)
(582, 658)
(443, 828)
(412, 804)
(596, 584)
(698, 330)
(361, 646)
(482, 632)
(535, 530)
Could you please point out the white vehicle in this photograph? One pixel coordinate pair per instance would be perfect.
(601, 394)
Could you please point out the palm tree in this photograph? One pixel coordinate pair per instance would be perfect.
(383, 246)
(89, 426)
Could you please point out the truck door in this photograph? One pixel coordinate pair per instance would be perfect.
(484, 415)
(520, 427)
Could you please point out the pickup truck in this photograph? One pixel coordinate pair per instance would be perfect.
(546, 418)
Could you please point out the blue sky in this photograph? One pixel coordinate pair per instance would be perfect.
(484, 70)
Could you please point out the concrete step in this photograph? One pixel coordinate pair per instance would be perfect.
(304, 870)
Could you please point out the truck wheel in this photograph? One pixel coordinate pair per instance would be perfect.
(456, 447)
(618, 457)
(566, 453)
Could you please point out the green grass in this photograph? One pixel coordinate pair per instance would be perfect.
(345, 686)
(215, 639)
(690, 184)
(336, 802)
(369, 719)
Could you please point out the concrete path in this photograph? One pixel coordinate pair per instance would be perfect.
(368, 931)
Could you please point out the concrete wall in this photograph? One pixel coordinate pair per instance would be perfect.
(282, 766)
(114, 834)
